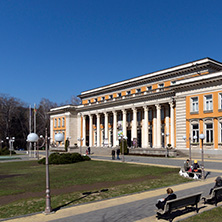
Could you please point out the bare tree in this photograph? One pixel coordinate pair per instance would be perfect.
(43, 120)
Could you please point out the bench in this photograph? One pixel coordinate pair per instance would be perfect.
(215, 196)
(181, 202)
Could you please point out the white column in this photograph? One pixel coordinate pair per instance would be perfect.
(172, 121)
(84, 130)
(145, 128)
(167, 126)
(106, 126)
(79, 129)
(134, 123)
(90, 130)
(154, 128)
(98, 129)
(124, 122)
(158, 115)
(114, 128)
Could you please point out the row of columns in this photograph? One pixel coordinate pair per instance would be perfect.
(156, 126)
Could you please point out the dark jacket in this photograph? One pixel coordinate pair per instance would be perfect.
(161, 204)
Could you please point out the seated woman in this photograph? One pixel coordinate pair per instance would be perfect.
(161, 203)
(196, 167)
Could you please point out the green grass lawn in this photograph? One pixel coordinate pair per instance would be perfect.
(28, 177)
(211, 215)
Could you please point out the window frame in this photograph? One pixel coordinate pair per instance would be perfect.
(194, 106)
(208, 103)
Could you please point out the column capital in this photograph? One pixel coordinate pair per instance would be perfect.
(134, 109)
(146, 108)
(114, 112)
(158, 106)
(172, 104)
(123, 111)
(98, 114)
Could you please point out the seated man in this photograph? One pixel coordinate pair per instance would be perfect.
(161, 203)
(218, 183)
(187, 165)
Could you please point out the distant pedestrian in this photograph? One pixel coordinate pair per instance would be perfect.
(113, 154)
(89, 150)
(117, 153)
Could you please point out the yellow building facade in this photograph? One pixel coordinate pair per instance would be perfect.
(151, 111)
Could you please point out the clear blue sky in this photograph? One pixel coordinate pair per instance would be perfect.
(57, 48)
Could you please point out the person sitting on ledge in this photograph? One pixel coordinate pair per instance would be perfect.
(187, 165)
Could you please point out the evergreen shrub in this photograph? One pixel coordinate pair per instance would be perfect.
(5, 151)
(64, 158)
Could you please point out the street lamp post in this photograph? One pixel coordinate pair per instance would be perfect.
(166, 154)
(11, 140)
(2, 143)
(122, 141)
(202, 137)
(80, 146)
(33, 137)
(189, 139)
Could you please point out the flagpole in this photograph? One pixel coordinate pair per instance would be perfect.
(30, 129)
(35, 129)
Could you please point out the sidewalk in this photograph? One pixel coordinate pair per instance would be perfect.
(105, 204)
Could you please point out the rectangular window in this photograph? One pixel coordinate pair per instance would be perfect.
(63, 122)
(149, 88)
(138, 90)
(220, 100)
(55, 122)
(194, 104)
(209, 132)
(95, 100)
(128, 92)
(89, 101)
(161, 85)
(110, 96)
(59, 122)
(220, 133)
(103, 98)
(208, 102)
(195, 133)
(119, 94)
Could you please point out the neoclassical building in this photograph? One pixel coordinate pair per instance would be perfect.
(150, 111)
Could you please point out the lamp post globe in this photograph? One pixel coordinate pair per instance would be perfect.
(59, 137)
(184, 137)
(32, 137)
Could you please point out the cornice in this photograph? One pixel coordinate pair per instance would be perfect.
(176, 71)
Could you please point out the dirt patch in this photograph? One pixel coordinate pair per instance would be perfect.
(76, 188)
(8, 176)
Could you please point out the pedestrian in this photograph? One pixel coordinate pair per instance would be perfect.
(89, 150)
(117, 153)
(161, 202)
(218, 183)
(113, 154)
